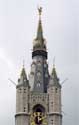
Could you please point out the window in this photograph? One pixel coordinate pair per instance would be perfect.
(38, 74)
(38, 84)
(51, 122)
(24, 109)
(24, 90)
(39, 63)
(52, 103)
(46, 75)
(33, 67)
(56, 90)
(45, 65)
(33, 100)
(20, 90)
(43, 99)
(24, 80)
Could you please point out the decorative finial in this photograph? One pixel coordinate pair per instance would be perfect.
(23, 63)
(54, 62)
(40, 11)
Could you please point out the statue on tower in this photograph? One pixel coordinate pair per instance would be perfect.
(40, 10)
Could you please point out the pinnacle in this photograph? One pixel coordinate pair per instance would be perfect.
(54, 73)
(23, 73)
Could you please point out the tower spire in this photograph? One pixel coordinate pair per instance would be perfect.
(39, 30)
(39, 41)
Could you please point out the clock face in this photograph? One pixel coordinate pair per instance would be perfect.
(37, 118)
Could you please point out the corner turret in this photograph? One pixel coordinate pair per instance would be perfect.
(54, 91)
(54, 80)
(22, 99)
(22, 81)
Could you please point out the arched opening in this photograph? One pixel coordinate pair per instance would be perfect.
(39, 108)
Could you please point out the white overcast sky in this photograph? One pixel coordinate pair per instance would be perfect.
(18, 25)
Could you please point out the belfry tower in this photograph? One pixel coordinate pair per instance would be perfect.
(38, 99)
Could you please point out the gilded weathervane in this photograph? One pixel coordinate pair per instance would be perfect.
(40, 11)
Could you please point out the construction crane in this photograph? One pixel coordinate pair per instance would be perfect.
(12, 81)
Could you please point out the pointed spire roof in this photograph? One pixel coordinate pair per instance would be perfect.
(39, 41)
(23, 81)
(23, 74)
(54, 73)
(54, 80)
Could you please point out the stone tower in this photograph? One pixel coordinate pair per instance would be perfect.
(38, 99)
